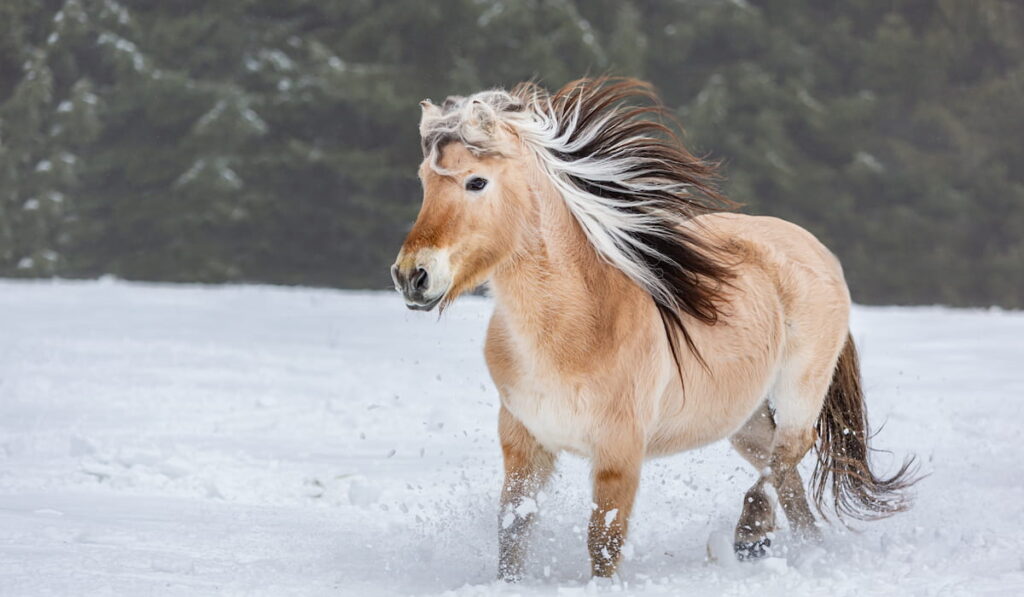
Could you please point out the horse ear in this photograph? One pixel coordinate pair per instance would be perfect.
(430, 112)
(429, 109)
(482, 116)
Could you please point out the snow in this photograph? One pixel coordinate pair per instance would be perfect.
(279, 59)
(217, 167)
(256, 124)
(336, 63)
(246, 440)
(118, 10)
(252, 120)
(124, 47)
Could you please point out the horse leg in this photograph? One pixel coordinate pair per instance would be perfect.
(754, 442)
(775, 453)
(616, 478)
(790, 448)
(799, 395)
(528, 466)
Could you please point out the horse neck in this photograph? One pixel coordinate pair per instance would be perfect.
(558, 293)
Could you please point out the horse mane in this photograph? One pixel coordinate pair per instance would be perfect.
(623, 173)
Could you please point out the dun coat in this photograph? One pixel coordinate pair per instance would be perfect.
(634, 315)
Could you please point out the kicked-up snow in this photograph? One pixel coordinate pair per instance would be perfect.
(241, 440)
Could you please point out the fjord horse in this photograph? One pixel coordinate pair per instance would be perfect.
(633, 316)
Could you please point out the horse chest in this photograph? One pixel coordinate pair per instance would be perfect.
(554, 414)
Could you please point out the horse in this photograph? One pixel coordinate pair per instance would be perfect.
(636, 313)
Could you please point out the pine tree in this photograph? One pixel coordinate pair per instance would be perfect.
(275, 140)
(49, 119)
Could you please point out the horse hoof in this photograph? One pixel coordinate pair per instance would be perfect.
(752, 550)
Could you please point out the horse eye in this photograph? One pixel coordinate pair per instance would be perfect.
(476, 184)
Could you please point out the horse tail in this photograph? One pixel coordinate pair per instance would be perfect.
(843, 450)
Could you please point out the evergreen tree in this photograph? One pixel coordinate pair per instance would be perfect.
(275, 140)
(50, 116)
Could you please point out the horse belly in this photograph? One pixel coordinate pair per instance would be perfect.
(703, 419)
(743, 361)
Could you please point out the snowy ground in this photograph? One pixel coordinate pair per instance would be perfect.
(181, 440)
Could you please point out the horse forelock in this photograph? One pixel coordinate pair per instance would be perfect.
(607, 147)
(472, 121)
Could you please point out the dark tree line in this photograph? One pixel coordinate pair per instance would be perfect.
(275, 140)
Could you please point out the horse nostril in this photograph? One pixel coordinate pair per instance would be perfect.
(419, 279)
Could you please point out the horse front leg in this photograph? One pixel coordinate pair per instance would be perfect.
(528, 466)
(616, 478)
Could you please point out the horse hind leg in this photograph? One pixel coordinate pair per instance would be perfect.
(789, 449)
(799, 394)
(757, 520)
(775, 453)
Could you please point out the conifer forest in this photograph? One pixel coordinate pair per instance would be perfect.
(275, 141)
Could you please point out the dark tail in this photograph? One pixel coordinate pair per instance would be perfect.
(843, 451)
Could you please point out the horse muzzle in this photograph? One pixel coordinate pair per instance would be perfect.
(423, 283)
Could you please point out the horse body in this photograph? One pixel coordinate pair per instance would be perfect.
(629, 321)
(571, 363)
